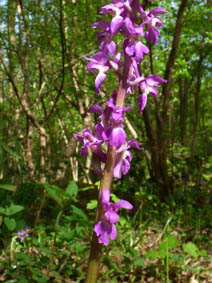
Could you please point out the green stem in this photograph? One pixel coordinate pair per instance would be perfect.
(96, 248)
(106, 182)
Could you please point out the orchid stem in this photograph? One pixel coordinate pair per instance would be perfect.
(96, 248)
(106, 182)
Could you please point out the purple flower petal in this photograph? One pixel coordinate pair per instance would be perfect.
(153, 91)
(99, 80)
(140, 48)
(114, 66)
(105, 196)
(101, 230)
(113, 233)
(101, 57)
(105, 230)
(84, 150)
(134, 143)
(95, 108)
(130, 48)
(111, 216)
(117, 58)
(117, 171)
(142, 100)
(98, 228)
(98, 131)
(117, 137)
(107, 8)
(151, 35)
(103, 24)
(125, 166)
(101, 155)
(116, 24)
(156, 78)
(129, 25)
(157, 11)
(122, 204)
(111, 47)
(78, 137)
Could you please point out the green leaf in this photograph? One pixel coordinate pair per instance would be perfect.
(172, 241)
(114, 197)
(66, 234)
(7, 187)
(36, 271)
(191, 249)
(202, 253)
(2, 210)
(21, 256)
(52, 193)
(10, 223)
(45, 251)
(162, 253)
(132, 251)
(13, 209)
(58, 190)
(151, 254)
(138, 262)
(92, 204)
(38, 276)
(122, 221)
(56, 274)
(8, 150)
(79, 212)
(96, 185)
(72, 190)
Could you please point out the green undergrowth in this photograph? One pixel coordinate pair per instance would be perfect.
(157, 241)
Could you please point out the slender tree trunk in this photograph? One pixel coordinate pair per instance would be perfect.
(184, 85)
(196, 102)
(162, 123)
(28, 149)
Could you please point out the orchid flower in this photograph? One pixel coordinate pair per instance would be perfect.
(106, 228)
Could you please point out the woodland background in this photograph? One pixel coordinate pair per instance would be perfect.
(45, 92)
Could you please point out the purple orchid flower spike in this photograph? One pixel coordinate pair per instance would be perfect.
(89, 141)
(133, 45)
(151, 20)
(116, 133)
(117, 136)
(116, 63)
(106, 228)
(95, 108)
(92, 142)
(98, 64)
(123, 158)
(148, 86)
(104, 231)
(118, 113)
(134, 77)
(107, 45)
(115, 9)
(110, 128)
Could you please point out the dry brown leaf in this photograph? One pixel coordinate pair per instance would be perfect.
(193, 280)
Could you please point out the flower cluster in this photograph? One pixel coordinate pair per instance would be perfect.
(23, 234)
(134, 23)
(106, 228)
(109, 129)
(137, 26)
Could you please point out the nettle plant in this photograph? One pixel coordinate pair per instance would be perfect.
(135, 25)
